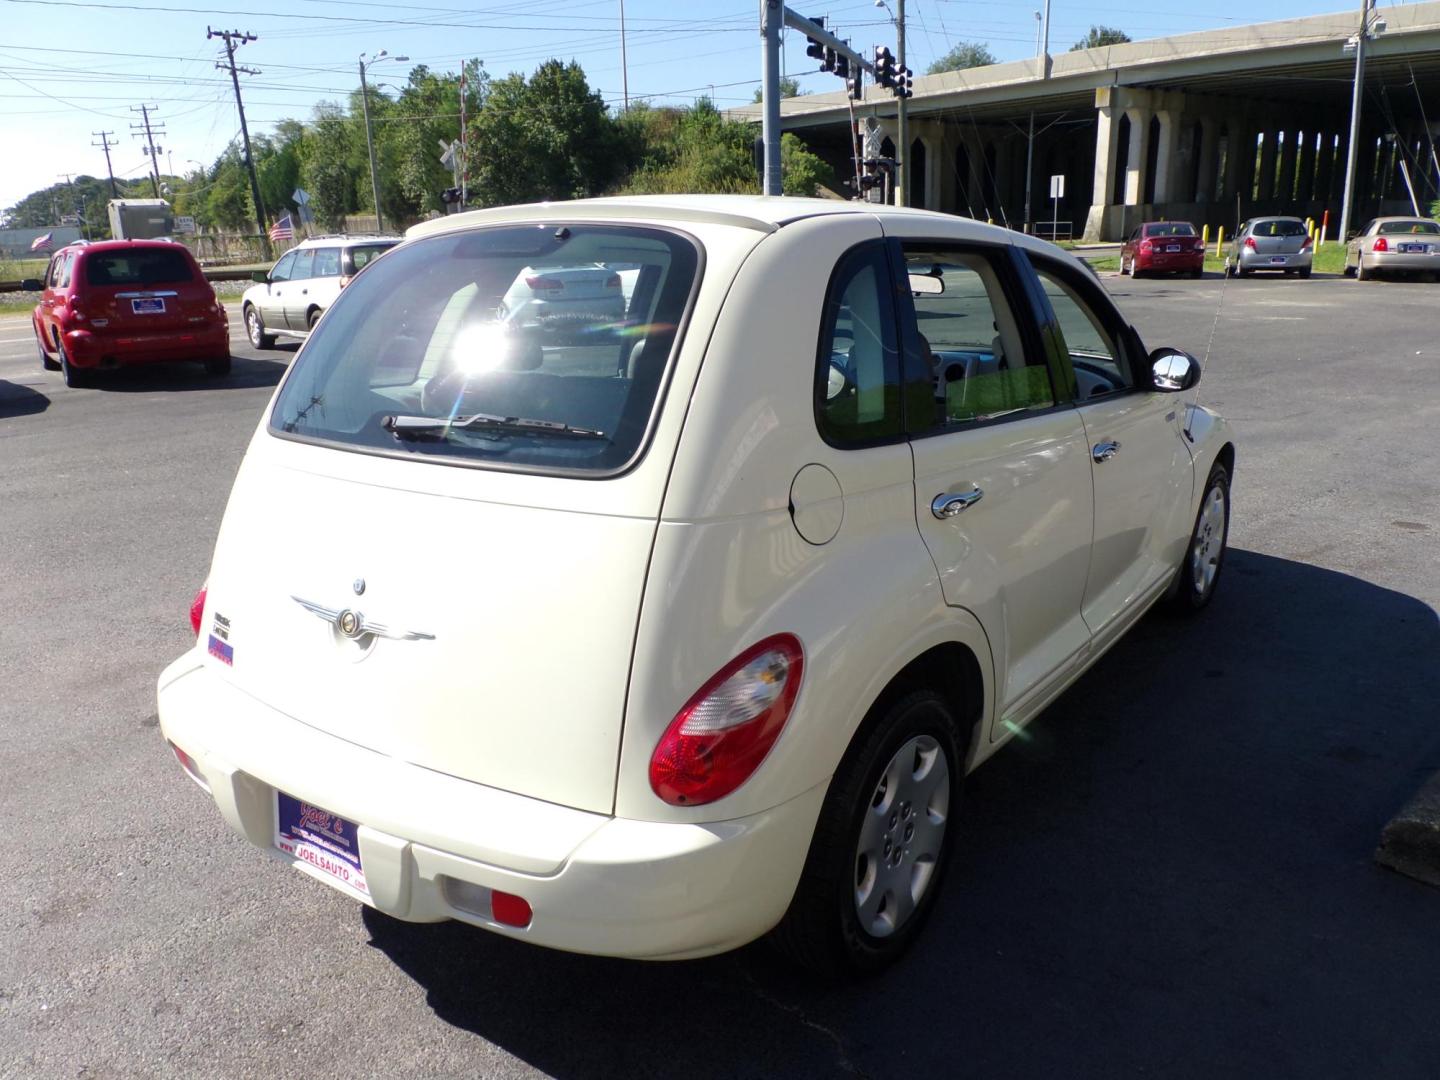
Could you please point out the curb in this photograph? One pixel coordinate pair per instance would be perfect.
(1410, 843)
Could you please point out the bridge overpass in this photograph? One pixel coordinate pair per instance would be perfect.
(1208, 127)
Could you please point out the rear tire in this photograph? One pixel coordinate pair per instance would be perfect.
(881, 839)
(255, 329)
(1199, 572)
(312, 318)
(74, 377)
(1305, 273)
(1361, 274)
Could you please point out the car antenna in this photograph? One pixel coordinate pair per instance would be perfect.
(1205, 361)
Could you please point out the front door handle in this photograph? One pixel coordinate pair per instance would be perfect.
(951, 503)
(1104, 451)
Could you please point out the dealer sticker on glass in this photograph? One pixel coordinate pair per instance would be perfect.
(324, 840)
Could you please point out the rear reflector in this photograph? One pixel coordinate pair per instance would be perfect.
(197, 609)
(544, 284)
(192, 770)
(491, 905)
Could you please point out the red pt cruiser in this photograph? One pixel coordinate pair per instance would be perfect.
(122, 302)
(1163, 247)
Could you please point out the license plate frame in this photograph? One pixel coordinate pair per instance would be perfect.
(1413, 249)
(1279, 260)
(1172, 247)
(147, 305)
(324, 841)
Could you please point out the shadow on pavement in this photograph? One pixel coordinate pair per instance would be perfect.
(151, 378)
(1170, 874)
(18, 400)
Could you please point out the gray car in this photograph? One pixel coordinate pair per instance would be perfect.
(1271, 243)
(1407, 245)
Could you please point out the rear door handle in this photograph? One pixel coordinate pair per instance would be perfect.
(1104, 451)
(953, 502)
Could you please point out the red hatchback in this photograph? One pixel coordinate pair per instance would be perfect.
(1163, 247)
(122, 302)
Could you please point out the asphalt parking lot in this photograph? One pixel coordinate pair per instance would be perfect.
(1170, 875)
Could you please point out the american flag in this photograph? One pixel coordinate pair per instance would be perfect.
(283, 229)
(42, 243)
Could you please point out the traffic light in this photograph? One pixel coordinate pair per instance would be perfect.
(884, 67)
(814, 49)
(842, 66)
(904, 77)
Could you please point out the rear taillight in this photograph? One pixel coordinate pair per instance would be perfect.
(544, 284)
(1306, 245)
(1200, 246)
(1381, 244)
(1250, 242)
(723, 733)
(197, 609)
(613, 281)
(1146, 246)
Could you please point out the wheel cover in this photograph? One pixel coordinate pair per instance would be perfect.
(252, 324)
(901, 836)
(1209, 542)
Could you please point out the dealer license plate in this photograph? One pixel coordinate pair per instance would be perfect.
(1281, 259)
(1413, 249)
(1172, 247)
(321, 839)
(148, 305)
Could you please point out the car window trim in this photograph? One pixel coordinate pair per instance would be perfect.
(1126, 337)
(1017, 294)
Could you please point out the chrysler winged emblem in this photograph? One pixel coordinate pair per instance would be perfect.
(354, 625)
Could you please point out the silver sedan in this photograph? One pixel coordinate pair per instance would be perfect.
(1271, 243)
(1408, 245)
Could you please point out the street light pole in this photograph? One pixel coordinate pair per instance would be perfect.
(902, 122)
(624, 66)
(1356, 101)
(369, 133)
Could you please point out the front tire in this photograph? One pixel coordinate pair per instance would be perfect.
(255, 330)
(1199, 573)
(881, 843)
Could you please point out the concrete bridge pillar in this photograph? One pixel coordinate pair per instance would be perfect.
(1265, 189)
(1108, 111)
(1169, 155)
(1305, 177)
(1285, 181)
(1139, 117)
(1209, 144)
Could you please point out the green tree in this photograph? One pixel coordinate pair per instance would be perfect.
(328, 165)
(1100, 36)
(426, 114)
(788, 88)
(545, 137)
(966, 54)
(802, 172)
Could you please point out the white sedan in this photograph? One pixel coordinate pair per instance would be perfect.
(658, 642)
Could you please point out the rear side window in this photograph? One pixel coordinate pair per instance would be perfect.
(360, 257)
(441, 352)
(139, 266)
(1278, 228)
(327, 263)
(65, 269)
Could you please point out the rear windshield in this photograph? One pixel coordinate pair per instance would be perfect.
(141, 266)
(1278, 228)
(360, 257)
(1390, 228)
(542, 348)
(1170, 228)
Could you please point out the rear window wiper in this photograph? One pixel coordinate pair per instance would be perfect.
(421, 427)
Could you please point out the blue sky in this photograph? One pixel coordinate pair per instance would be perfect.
(69, 68)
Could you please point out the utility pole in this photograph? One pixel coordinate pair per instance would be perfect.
(772, 18)
(149, 131)
(233, 40)
(624, 67)
(383, 54)
(105, 144)
(1042, 57)
(1357, 97)
(902, 123)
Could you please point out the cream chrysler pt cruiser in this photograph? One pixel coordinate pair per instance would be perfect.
(685, 628)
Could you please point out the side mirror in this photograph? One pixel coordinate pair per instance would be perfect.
(1173, 371)
(31, 284)
(260, 277)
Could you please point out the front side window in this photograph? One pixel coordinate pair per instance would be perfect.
(281, 270)
(430, 354)
(57, 264)
(1091, 334)
(138, 266)
(970, 340)
(858, 370)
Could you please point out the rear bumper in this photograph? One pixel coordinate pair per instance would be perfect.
(1168, 262)
(1252, 260)
(1398, 261)
(596, 884)
(87, 349)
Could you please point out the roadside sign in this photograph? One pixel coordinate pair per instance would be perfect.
(301, 196)
(184, 223)
(69, 219)
(1057, 186)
